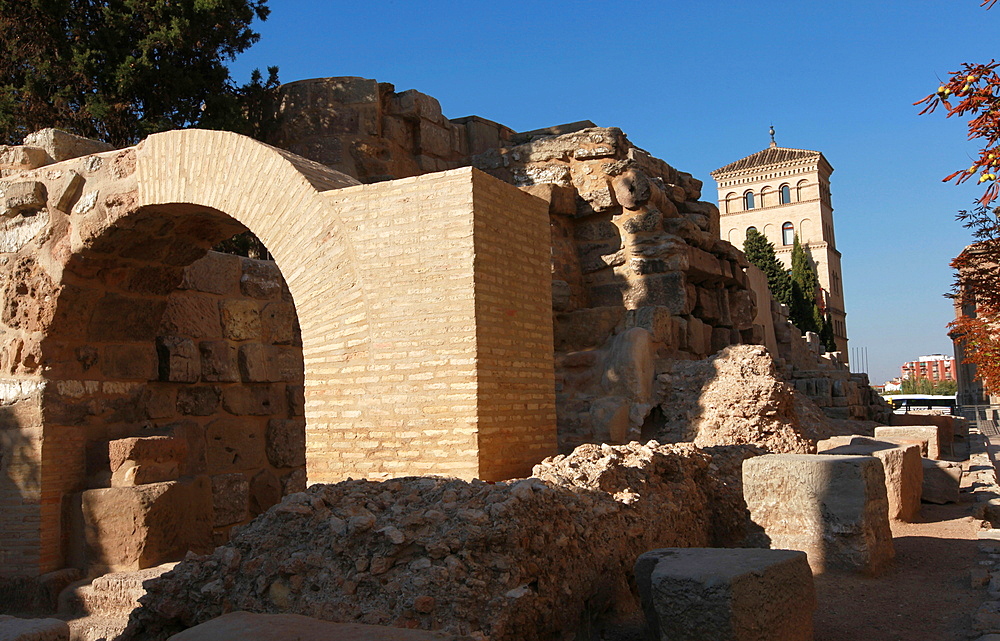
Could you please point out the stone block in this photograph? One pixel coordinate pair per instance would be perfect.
(179, 360)
(60, 145)
(198, 401)
(131, 528)
(253, 400)
(833, 508)
(283, 627)
(659, 290)
(260, 279)
(240, 320)
(25, 196)
(296, 399)
(230, 498)
(193, 315)
(136, 362)
(904, 473)
(257, 364)
(14, 629)
(942, 481)
(218, 362)
(216, 273)
(234, 445)
(148, 459)
(265, 491)
(286, 442)
(929, 433)
(694, 594)
(280, 324)
(589, 327)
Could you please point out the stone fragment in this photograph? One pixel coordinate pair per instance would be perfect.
(240, 320)
(260, 279)
(131, 528)
(14, 629)
(61, 145)
(230, 499)
(25, 196)
(929, 433)
(218, 362)
(904, 473)
(631, 189)
(942, 481)
(67, 191)
(833, 508)
(18, 231)
(691, 594)
(179, 360)
(282, 627)
(286, 442)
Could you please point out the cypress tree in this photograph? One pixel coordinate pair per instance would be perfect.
(760, 252)
(803, 311)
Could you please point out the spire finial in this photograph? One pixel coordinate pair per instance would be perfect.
(773, 144)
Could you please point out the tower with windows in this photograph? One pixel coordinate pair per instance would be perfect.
(783, 192)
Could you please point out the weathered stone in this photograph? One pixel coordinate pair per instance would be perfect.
(198, 401)
(14, 629)
(18, 231)
(833, 508)
(240, 320)
(265, 491)
(234, 445)
(279, 323)
(691, 594)
(942, 481)
(136, 362)
(146, 450)
(253, 400)
(260, 279)
(281, 627)
(130, 528)
(25, 196)
(286, 442)
(216, 273)
(296, 400)
(179, 360)
(22, 158)
(230, 499)
(587, 327)
(218, 362)
(631, 189)
(256, 364)
(929, 433)
(193, 315)
(61, 145)
(119, 318)
(904, 473)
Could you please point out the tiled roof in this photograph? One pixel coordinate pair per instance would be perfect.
(769, 156)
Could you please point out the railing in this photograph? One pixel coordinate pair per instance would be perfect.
(985, 418)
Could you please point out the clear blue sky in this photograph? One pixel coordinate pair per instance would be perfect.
(697, 84)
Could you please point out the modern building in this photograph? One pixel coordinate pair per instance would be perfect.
(783, 192)
(935, 368)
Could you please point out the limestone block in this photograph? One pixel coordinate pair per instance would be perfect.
(216, 273)
(260, 279)
(194, 315)
(628, 366)
(929, 433)
(904, 473)
(218, 361)
(282, 627)
(286, 442)
(202, 400)
(148, 459)
(230, 498)
(130, 362)
(179, 359)
(942, 481)
(631, 189)
(279, 323)
(234, 445)
(131, 528)
(833, 508)
(61, 145)
(240, 320)
(18, 231)
(24, 196)
(256, 364)
(14, 629)
(253, 400)
(692, 594)
(15, 158)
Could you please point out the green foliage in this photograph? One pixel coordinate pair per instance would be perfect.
(119, 70)
(803, 311)
(760, 252)
(826, 335)
(926, 386)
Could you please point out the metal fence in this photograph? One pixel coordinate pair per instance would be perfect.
(984, 417)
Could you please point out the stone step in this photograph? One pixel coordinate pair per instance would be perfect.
(96, 628)
(112, 595)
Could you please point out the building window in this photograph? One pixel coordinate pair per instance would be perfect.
(800, 190)
(787, 234)
(786, 195)
(750, 229)
(748, 200)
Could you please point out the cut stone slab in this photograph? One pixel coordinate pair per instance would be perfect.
(691, 594)
(903, 433)
(14, 629)
(833, 508)
(61, 145)
(283, 627)
(942, 481)
(904, 473)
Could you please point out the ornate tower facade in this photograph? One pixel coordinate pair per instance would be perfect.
(782, 193)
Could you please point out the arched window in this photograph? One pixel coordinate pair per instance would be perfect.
(786, 195)
(800, 191)
(748, 200)
(730, 199)
(750, 229)
(766, 197)
(787, 234)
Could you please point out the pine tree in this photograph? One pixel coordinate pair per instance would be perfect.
(760, 252)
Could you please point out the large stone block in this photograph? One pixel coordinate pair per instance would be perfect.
(904, 473)
(235, 445)
(833, 508)
(282, 627)
(131, 528)
(14, 629)
(61, 145)
(142, 460)
(695, 594)
(215, 274)
(903, 433)
(942, 481)
(179, 360)
(230, 498)
(286, 442)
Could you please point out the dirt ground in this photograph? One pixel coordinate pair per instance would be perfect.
(926, 595)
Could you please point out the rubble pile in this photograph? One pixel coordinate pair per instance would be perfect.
(736, 397)
(526, 559)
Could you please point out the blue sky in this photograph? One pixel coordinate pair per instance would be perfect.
(698, 84)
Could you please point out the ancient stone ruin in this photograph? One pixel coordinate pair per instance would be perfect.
(452, 305)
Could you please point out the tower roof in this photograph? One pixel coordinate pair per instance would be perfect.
(768, 157)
